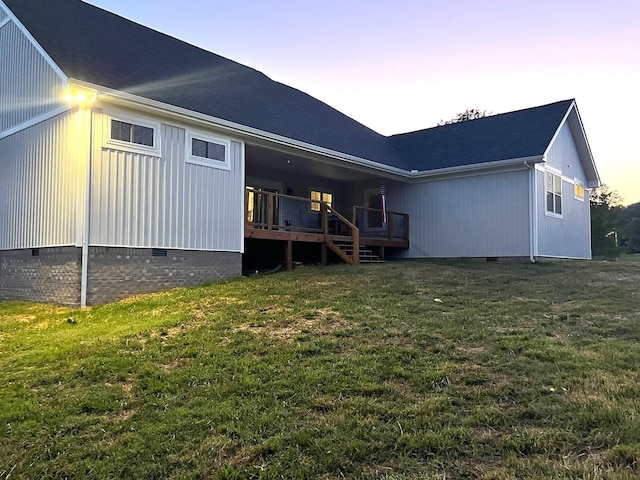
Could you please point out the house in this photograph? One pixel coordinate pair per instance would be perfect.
(133, 162)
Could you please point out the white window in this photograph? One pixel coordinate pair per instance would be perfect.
(317, 196)
(133, 134)
(554, 193)
(208, 150)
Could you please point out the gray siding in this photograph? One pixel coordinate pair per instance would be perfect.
(3, 15)
(476, 216)
(146, 201)
(39, 186)
(29, 86)
(569, 236)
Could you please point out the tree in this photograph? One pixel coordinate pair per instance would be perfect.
(632, 231)
(605, 206)
(468, 114)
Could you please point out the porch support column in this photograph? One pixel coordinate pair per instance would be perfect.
(288, 255)
(323, 254)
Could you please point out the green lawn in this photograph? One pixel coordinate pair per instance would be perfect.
(406, 370)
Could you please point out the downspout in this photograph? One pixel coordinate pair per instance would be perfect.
(532, 211)
(87, 220)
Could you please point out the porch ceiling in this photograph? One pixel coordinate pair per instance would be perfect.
(259, 157)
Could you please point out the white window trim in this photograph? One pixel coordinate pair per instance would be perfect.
(322, 192)
(208, 162)
(109, 142)
(584, 190)
(557, 173)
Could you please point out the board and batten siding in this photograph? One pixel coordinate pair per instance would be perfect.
(29, 86)
(569, 236)
(43, 168)
(3, 14)
(146, 201)
(474, 216)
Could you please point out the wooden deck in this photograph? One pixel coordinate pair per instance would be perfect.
(320, 223)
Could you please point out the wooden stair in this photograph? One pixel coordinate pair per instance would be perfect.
(365, 255)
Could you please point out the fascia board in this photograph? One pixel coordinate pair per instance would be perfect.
(586, 145)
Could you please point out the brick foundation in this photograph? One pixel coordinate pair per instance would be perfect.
(116, 273)
(54, 275)
(50, 275)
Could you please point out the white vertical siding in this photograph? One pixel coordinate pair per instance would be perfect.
(140, 200)
(569, 236)
(476, 216)
(29, 87)
(42, 169)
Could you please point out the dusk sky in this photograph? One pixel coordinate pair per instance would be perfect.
(406, 65)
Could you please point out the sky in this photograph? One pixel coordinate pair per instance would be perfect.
(405, 65)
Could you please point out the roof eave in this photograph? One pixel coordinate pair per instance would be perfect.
(243, 131)
(478, 167)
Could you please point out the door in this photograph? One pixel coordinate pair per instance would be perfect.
(373, 219)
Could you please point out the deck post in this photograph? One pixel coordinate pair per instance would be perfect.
(325, 218)
(288, 255)
(269, 211)
(323, 254)
(381, 253)
(390, 226)
(247, 220)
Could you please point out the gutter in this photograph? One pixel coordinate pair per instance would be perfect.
(237, 129)
(528, 161)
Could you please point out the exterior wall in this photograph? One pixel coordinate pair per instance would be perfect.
(28, 83)
(474, 216)
(569, 236)
(53, 276)
(41, 185)
(116, 273)
(3, 15)
(148, 201)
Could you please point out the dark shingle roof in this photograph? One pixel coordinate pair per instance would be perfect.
(519, 134)
(93, 45)
(99, 47)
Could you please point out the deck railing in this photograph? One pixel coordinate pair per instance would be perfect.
(372, 224)
(279, 212)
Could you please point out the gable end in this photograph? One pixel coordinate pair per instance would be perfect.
(30, 82)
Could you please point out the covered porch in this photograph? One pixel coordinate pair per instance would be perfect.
(294, 203)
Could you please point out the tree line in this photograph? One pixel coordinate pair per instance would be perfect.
(614, 229)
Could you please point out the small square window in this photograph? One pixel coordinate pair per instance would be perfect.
(318, 196)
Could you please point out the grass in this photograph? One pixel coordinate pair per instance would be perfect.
(399, 371)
